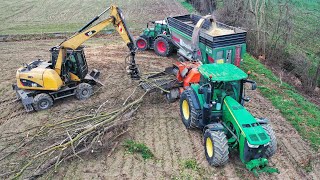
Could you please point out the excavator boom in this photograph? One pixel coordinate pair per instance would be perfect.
(116, 18)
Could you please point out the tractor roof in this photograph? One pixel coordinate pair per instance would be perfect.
(222, 72)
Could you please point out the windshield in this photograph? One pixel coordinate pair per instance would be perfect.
(232, 89)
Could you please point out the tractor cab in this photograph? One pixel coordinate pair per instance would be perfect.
(217, 81)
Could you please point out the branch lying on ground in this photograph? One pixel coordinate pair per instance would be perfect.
(69, 138)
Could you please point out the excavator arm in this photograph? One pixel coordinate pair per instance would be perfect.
(86, 32)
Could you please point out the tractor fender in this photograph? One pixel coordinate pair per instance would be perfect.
(213, 127)
(262, 120)
(195, 99)
(164, 36)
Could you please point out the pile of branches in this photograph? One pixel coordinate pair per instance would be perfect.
(52, 144)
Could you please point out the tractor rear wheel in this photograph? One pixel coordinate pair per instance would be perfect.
(189, 114)
(83, 91)
(142, 43)
(162, 47)
(272, 148)
(216, 147)
(42, 101)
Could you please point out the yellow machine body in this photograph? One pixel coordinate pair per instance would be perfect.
(39, 78)
(44, 76)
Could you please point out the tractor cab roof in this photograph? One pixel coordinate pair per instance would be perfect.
(222, 72)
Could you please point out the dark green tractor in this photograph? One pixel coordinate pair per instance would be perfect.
(215, 105)
(156, 38)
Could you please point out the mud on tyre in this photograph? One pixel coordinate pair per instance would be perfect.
(83, 91)
(42, 101)
(162, 47)
(272, 148)
(216, 147)
(188, 113)
(142, 43)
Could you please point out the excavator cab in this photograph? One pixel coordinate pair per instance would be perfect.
(74, 62)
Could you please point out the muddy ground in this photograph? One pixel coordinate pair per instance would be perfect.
(157, 123)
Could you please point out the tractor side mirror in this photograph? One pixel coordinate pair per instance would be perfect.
(254, 86)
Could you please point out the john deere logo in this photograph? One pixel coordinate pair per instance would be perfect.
(89, 33)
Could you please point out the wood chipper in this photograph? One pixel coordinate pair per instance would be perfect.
(215, 105)
(199, 40)
(195, 38)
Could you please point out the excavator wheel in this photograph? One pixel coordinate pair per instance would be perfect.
(142, 43)
(83, 91)
(272, 148)
(189, 114)
(216, 147)
(42, 101)
(162, 47)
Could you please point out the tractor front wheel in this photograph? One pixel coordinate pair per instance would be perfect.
(216, 147)
(83, 91)
(142, 43)
(42, 101)
(162, 47)
(272, 148)
(189, 114)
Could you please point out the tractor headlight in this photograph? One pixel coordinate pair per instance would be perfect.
(266, 144)
(252, 146)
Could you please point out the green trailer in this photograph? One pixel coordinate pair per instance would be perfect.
(192, 35)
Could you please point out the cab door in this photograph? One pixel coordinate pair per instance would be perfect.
(82, 64)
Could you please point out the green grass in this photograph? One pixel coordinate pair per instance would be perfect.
(41, 16)
(301, 113)
(187, 6)
(190, 164)
(135, 147)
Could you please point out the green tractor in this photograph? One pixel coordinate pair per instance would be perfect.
(215, 105)
(156, 38)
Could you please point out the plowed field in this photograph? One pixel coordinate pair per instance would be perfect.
(157, 123)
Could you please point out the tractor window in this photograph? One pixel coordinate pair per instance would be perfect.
(232, 89)
(202, 80)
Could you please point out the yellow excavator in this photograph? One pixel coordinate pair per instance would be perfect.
(40, 83)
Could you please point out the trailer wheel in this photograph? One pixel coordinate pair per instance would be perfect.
(162, 47)
(83, 91)
(42, 101)
(142, 43)
(272, 148)
(188, 113)
(216, 147)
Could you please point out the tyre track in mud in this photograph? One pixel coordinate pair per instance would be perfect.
(159, 126)
(293, 154)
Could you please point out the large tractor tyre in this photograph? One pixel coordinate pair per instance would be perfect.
(162, 47)
(42, 101)
(189, 114)
(142, 43)
(216, 147)
(83, 91)
(272, 148)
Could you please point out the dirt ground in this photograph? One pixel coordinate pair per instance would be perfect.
(157, 123)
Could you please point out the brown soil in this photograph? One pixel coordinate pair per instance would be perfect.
(157, 123)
